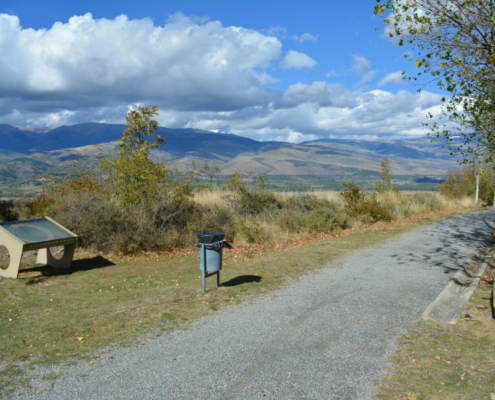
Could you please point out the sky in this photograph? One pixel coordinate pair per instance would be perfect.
(284, 70)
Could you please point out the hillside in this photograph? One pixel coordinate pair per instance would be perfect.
(25, 154)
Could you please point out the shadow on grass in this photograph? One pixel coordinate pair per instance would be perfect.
(85, 264)
(240, 280)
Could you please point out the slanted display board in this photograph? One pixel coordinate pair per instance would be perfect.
(36, 234)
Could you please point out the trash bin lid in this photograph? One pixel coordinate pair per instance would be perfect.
(210, 237)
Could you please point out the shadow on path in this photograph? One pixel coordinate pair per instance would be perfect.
(455, 235)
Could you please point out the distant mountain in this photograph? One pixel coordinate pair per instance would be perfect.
(15, 139)
(419, 148)
(178, 142)
(231, 153)
(79, 135)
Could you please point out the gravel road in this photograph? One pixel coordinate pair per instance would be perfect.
(328, 335)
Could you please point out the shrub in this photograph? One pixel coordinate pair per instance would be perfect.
(39, 205)
(214, 219)
(252, 202)
(324, 220)
(358, 203)
(307, 202)
(308, 213)
(7, 212)
(246, 201)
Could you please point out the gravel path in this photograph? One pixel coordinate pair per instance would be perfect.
(326, 336)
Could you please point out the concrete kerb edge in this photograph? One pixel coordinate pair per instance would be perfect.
(448, 305)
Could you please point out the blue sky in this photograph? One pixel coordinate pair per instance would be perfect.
(270, 70)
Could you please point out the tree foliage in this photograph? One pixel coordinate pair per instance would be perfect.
(133, 176)
(461, 183)
(454, 43)
(384, 183)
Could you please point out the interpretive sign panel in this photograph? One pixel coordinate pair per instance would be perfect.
(36, 234)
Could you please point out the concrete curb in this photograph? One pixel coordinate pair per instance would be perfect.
(448, 305)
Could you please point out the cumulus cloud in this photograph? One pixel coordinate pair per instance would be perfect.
(199, 73)
(295, 59)
(394, 78)
(186, 65)
(323, 110)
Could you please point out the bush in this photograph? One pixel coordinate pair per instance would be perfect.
(39, 205)
(246, 201)
(253, 202)
(306, 202)
(322, 220)
(214, 219)
(358, 203)
(7, 212)
(308, 213)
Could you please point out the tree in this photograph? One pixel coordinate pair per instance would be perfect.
(460, 183)
(384, 183)
(127, 202)
(133, 176)
(453, 43)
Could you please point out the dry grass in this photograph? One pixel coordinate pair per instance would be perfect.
(329, 195)
(277, 225)
(211, 198)
(447, 362)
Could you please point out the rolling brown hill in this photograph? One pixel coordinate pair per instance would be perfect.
(33, 154)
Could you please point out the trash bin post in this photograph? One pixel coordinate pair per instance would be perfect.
(204, 268)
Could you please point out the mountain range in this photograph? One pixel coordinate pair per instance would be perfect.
(28, 153)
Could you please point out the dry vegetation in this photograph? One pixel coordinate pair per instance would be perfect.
(448, 362)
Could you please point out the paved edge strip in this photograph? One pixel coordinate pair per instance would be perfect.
(448, 305)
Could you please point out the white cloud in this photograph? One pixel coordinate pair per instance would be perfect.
(326, 110)
(295, 59)
(361, 65)
(304, 37)
(86, 62)
(277, 31)
(394, 78)
(367, 77)
(199, 73)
